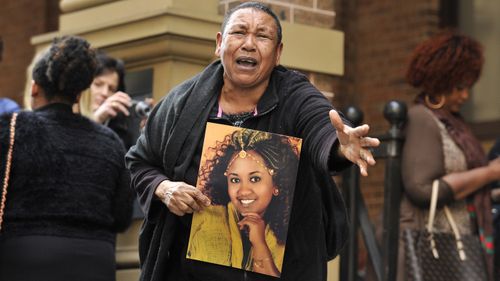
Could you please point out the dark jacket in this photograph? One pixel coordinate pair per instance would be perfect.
(68, 177)
(170, 148)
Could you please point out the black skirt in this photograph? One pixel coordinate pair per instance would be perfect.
(51, 258)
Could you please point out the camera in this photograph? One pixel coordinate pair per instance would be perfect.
(141, 108)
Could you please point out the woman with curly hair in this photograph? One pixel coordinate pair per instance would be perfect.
(250, 181)
(440, 145)
(67, 193)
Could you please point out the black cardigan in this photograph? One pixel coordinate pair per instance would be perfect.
(169, 149)
(68, 177)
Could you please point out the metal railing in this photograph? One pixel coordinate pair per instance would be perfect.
(383, 256)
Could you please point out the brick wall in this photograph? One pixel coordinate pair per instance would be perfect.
(19, 21)
(380, 36)
(319, 13)
(311, 12)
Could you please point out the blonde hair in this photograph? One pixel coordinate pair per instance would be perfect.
(84, 106)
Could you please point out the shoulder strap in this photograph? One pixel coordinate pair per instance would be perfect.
(458, 238)
(451, 221)
(8, 161)
(432, 208)
(432, 214)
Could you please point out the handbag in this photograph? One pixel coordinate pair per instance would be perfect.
(8, 162)
(438, 256)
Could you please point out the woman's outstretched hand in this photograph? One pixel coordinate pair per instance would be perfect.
(354, 143)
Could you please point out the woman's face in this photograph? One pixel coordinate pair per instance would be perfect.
(456, 99)
(103, 87)
(250, 186)
(248, 48)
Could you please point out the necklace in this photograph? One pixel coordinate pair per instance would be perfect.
(236, 119)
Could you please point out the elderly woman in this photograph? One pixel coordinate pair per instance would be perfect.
(248, 88)
(440, 146)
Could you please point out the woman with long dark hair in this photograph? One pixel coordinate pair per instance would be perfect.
(250, 180)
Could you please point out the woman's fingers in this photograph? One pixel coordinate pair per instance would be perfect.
(366, 155)
(369, 142)
(251, 214)
(250, 218)
(362, 167)
(360, 131)
(118, 106)
(181, 198)
(354, 142)
(201, 198)
(338, 124)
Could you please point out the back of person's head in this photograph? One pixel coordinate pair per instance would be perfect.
(257, 6)
(66, 69)
(107, 64)
(446, 61)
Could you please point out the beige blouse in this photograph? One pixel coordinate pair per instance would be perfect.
(429, 153)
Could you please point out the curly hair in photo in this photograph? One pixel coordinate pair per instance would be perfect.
(446, 61)
(279, 154)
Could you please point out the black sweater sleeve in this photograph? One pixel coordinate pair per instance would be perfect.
(312, 123)
(144, 160)
(122, 207)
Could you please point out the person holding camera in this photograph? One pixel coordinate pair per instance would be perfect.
(107, 103)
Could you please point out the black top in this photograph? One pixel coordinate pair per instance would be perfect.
(68, 177)
(170, 147)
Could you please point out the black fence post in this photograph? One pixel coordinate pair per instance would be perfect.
(350, 186)
(395, 112)
(384, 259)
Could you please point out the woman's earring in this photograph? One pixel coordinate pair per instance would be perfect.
(276, 192)
(435, 105)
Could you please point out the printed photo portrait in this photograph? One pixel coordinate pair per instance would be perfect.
(250, 177)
